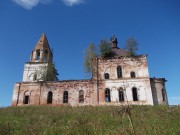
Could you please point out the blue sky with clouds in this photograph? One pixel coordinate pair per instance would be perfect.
(70, 25)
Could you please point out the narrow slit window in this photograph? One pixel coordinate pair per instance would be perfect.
(119, 72)
(163, 95)
(81, 96)
(107, 95)
(65, 97)
(121, 95)
(135, 95)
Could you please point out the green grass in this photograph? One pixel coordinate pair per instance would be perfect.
(88, 120)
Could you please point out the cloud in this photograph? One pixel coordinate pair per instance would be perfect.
(73, 2)
(29, 4)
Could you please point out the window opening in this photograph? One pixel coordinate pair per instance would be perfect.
(107, 95)
(50, 97)
(45, 55)
(121, 95)
(106, 76)
(135, 96)
(65, 97)
(81, 96)
(163, 94)
(26, 99)
(133, 75)
(119, 72)
(38, 54)
(35, 77)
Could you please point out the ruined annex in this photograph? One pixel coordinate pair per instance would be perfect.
(118, 80)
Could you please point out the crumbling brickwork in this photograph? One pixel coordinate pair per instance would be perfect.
(117, 80)
(159, 91)
(141, 81)
(38, 92)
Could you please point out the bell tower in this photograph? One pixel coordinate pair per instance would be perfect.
(42, 51)
(39, 59)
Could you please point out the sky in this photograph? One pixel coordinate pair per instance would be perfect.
(71, 25)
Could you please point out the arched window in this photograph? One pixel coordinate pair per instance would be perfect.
(121, 95)
(35, 77)
(49, 97)
(107, 95)
(119, 72)
(134, 92)
(133, 75)
(38, 54)
(81, 96)
(45, 55)
(65, 97)
(26, 97)
(163, 94)
(106, 76)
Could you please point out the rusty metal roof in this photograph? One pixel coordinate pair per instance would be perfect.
(119, 52)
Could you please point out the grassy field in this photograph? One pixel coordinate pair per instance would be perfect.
(103, 120)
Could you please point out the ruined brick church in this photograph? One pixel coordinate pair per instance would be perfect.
(118, 80)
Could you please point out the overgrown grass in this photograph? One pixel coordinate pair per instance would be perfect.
(88, 120)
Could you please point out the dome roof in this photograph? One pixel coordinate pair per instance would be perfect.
(119, 52)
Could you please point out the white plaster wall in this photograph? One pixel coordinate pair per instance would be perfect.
(143, 90)
(114, 94)
(31, 68)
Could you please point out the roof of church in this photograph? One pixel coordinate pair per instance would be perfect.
(158, 79)
(119, 52)
(115, 50)
(42, 43)
(60, 81)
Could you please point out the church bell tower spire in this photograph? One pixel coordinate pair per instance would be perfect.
(42, 51)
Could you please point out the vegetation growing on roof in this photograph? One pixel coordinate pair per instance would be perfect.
(89, 54)
(105, 48)
(131, 46)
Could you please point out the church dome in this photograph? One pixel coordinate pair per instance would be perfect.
(115, 50)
